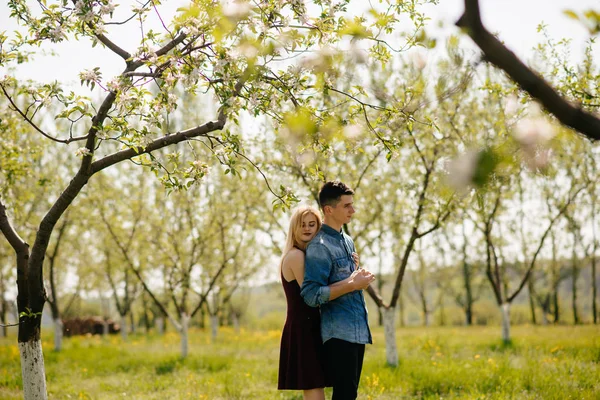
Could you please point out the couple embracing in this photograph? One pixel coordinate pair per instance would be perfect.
(326, 328)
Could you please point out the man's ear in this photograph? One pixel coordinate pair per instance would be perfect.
(326, 210)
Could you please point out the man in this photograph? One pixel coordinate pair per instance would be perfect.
(344, 324)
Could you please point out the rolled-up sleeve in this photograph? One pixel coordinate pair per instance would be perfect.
(317, 266)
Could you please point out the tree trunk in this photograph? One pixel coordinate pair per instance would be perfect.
(145, 316)
(442, 312)
(505, 308)
(132, 322)
(389, 328)
(401, 311)
(160, 325)
(468, 306)
(594, 289)
(425, 310)
(3, 319)
(123, 323)
(105, 328)
(32, 367)
(556, 305)
(574, 292)
(185, 320)
(58, 334)
(545, 321)
(214, 326)
(236, 323)
(531, 301)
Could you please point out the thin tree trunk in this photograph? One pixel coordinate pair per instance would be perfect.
(132, 322)
(531, 301)
(442, 311)
(556, 305)
(575, 276)
(401, 311)
(467, 281)
(236, 323)
(58, 334)
(185, 320)
(3, 319)
(160, 325)
(214, 326)
(505, 308)
(389, 328)
(146, 316)
(594, 289)
(123, 322)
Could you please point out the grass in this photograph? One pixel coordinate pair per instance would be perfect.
(451, 363)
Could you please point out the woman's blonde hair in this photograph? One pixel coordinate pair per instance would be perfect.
(296, 225)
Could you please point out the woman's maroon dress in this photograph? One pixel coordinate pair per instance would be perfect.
(301, 355)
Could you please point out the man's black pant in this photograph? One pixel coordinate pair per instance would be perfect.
(344, 362)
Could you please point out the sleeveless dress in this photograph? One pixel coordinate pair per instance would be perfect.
(301, 358)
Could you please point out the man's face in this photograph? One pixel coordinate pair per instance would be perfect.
(343, 210)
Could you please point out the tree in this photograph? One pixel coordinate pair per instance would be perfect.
(232, 53)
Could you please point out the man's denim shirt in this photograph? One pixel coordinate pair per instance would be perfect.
(329, 260)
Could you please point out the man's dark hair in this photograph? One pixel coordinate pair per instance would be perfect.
(331, 192)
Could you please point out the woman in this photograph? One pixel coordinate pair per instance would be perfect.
(301, 355)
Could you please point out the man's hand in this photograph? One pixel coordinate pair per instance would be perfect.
(361, 279)
(356, 259)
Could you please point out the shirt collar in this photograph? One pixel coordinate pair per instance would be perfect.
(330, 231)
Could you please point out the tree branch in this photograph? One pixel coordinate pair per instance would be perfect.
(496, 53)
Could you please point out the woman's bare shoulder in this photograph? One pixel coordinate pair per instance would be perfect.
(294, 256)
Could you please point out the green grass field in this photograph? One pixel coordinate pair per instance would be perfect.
(451, 363)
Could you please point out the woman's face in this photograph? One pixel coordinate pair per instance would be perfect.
(309, 228)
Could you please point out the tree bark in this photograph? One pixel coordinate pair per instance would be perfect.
(32, 367)
(3, 319)
(531, 301)
(236, 323)
(185, 320)
(58, 334)
(160, 325)
(214, 327)
(123, 323)
(389, 329)
(505, 309)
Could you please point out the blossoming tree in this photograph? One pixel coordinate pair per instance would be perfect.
(248, 56)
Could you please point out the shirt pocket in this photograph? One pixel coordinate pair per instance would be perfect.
(342, 268)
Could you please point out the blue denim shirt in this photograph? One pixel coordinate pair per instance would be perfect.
(329, 260)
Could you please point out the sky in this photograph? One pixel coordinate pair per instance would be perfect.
(515, 21)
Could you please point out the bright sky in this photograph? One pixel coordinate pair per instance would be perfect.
(514, 20)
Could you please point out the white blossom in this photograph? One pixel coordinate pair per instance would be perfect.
(99, 29)
(201, 167)
(57, 34)
(419, 60)
(352, 131)
(102, 134)
(82, 152)
(534, 131)
(236, 10)
(79, 6)
(461, 170)
(107, 8)
(114, 85)
(145, 140)
(88, 75)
